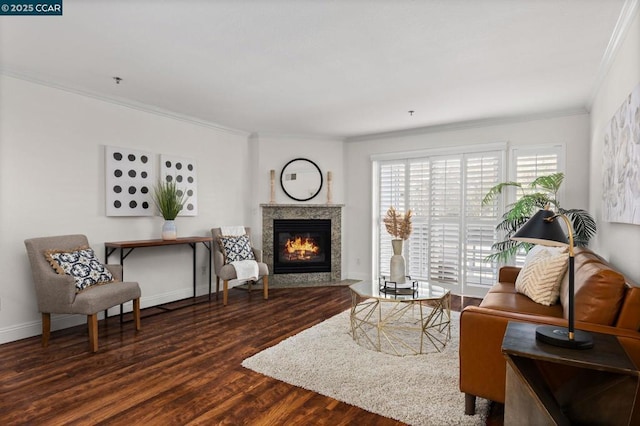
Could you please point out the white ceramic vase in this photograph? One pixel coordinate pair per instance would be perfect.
(169, 231)
(398, 269)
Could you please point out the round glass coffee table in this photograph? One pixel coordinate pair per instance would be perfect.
(400, 321)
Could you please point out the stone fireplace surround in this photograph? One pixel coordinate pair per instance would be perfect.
(303, 211)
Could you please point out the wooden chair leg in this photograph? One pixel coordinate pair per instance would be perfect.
(225, 291)
(136, 313)
(92, 322)
(46, 329)
(217, 286)
(265, 286)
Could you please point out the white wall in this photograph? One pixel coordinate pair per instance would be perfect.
(52, 182)
(619, 243)
(572, 131)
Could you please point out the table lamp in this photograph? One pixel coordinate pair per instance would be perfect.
(544, 229)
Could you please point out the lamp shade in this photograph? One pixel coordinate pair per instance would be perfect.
(542, 229)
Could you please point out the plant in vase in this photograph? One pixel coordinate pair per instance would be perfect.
(169, 200)
(399, 226)
(539, 194)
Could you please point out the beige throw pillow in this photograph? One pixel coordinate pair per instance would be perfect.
(542, 274)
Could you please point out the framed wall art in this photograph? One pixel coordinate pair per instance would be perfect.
(621, 163)
(129, 181)
(183, 172)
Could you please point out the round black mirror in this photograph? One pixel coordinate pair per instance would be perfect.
(301, 179)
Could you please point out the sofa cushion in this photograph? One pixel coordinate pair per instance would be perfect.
(599, 291)
(541, 275)
(516, 302)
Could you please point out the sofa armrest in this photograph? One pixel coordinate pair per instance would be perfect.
(508, 274)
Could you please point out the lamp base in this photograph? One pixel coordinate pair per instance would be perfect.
(559, 336)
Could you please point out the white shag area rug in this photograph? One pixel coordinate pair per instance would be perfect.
(416, 389)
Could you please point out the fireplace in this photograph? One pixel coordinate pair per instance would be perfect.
(301, 245)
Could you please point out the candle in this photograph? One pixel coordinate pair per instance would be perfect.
(272, 198)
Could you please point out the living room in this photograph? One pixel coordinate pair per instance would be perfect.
(52, 163)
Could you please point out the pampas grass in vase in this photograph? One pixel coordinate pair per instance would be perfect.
(399, 227)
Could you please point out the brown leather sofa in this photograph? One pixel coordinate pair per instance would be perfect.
(605, 302)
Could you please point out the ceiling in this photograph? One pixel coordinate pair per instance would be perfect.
(325, 68)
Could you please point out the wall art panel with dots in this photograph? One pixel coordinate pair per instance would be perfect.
(130, 176)
(183, 172)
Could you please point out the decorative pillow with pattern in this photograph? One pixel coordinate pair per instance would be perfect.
(541, 276)
(81, 264)
(236, 248)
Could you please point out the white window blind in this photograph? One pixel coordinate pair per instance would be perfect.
(452, 231)
(527, 165)
(392, 184)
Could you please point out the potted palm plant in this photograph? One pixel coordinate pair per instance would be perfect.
(542, 192)
(169, 200)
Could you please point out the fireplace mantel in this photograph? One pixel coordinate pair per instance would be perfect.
(303, 211)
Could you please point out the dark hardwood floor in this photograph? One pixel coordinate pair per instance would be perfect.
(184, 367)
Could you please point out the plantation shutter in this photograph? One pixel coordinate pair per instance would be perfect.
(419, 203)
(392, 193)
(445, 212)
(452, 231)
(528, 165)
(482, 173)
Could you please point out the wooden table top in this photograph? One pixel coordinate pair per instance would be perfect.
(157, 242)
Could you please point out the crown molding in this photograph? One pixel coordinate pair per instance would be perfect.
(470, 124)
(310, 136)
(627, 14)
(124, 103)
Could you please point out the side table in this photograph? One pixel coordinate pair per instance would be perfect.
(550, 385)
(126, 247)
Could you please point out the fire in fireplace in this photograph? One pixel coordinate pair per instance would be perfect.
(301, 245)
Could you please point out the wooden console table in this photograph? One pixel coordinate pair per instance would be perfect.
(550, 385)
(126, 247)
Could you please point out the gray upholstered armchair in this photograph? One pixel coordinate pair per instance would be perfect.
(57, 293)
(227, 272)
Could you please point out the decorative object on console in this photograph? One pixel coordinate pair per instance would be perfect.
(129, 175)
(169, 200)
(541, 192)
(620, 171)
(182, 171)
(544, 229)
(398, 226)
(329, 181)
(301, 179)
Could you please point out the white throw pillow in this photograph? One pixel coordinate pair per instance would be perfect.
(542, 274)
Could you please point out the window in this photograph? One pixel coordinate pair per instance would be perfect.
(452, 231)
(527, 165)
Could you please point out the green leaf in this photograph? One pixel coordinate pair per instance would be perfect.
(168, 199)
(550, 182)
(496, 190)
